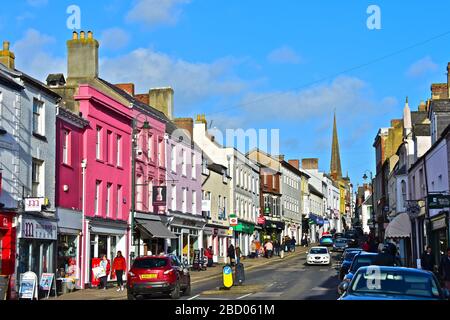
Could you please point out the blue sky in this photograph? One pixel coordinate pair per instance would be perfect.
(256, 64)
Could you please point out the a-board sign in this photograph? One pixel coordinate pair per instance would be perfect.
(28, 286)
(4, 285)
(47, 283)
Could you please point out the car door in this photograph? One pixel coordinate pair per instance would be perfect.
(176, 265)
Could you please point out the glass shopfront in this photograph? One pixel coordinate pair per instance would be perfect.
(36, 255)
(67, 264)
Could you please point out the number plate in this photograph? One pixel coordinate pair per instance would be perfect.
(149, 276)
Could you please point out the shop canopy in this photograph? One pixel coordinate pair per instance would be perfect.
(316, 219)
(154, 229)
(400, 227)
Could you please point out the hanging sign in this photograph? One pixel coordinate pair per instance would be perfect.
(159, 196)
(28, 286)
(233, 220)
(261, 220)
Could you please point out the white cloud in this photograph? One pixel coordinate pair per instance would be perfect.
(114, 38)
(192, 82)
(155, 12)
(346, 94)
(421, 67)
(37, 3)
(284, 55)
(33, 58)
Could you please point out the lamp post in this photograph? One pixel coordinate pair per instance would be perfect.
(134, 143)
(372, 195)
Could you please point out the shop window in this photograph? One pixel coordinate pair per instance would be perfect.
(102, 245)
(67, 256)
(66, 146)
(119, 202)
(37, 178)
(98, 143)
(119, 150)
(38, 117)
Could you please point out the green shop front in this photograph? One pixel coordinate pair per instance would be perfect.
(272, 230)
(243, 232)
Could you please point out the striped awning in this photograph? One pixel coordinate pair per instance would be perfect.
(400, 227)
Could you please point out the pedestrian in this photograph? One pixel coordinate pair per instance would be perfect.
(380, 245)
(238, 255)
(209, 256)
(366, 246)
(293, 243)
(269, 249)
(231, 254)
(427, 260)
(276, 248)
(253, 248)
(118, 268)
(444, 269)
(104, 263)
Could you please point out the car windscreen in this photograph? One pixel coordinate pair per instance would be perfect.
(359, 262)
(400, 283)
(150, 263)
(318, 251)
(341, 241)
(350, 255)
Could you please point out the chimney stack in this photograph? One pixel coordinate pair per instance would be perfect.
(162, 100)
(143, 98)
(6, 56)
(310, 164)
(186, 124)
(82, 56)
(295, 163)
(127, 87)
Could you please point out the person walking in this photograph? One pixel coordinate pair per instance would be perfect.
(238, 255)
(209, 256)
(253, 248)
(104, 263)
(427, 260)
(276, 247)
(118, 268)
(293, 243)
(444, 269)
(231, 254)
(366, 246)
(269, 249)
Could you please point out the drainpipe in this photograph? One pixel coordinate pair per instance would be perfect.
(84, 230)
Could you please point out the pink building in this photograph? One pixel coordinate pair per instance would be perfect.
(107, 176)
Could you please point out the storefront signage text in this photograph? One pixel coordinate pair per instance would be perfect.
(33, 204)
(38, 229)
(438, 201)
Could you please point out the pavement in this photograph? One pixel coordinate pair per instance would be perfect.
(262, 275)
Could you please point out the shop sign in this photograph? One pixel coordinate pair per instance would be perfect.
(38, 229)
(438, 201)
(230, 231)
(261, 220)
(33, 204)
(159, 196)
(47, 283)
(233, 220)
(438, 224)
(267, 210)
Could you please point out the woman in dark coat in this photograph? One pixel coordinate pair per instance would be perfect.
(427, 260)
(231, 254)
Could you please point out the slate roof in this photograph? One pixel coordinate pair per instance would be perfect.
(441, 105)
(421, 130)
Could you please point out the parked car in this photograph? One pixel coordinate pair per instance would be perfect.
(158, 274)
(340, 244)
(318, 255)
(352, 243)
(348, 256)
(364, 259)
(326, 240)
(338, 235)
(393, 283)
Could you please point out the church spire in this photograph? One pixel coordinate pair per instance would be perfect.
(335, 166)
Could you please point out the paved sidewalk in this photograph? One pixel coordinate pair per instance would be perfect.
(196, 277)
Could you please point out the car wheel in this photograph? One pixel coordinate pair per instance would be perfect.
(187, 291)
(131, 296)
(175, 293)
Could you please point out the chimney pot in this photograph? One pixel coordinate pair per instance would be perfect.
(82, 35)
(90, 35)
(75, 35)
(6, 45)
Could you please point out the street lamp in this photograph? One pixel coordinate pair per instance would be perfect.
(372, 195)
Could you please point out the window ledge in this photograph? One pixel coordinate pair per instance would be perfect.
(66, 165)
(101, 161)
(40, 137)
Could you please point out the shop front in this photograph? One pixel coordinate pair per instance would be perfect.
(7, 244)
(154, 233)
(106, 237)
(68, 259)
(243, 232)
(189, 235)
(272, 230)
(36, 245)
(217, 237)
(439, 234)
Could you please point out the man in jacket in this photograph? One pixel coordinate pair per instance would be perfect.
(444, 269)
(209, 256)
(427, 260)
(231, 254)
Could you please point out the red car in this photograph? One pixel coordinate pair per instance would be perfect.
(158, 275)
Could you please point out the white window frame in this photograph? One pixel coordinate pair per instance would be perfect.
(119, 200)
(40, 112)
(183, 162)
(173, 159)
(194, 202)
(109, 187)
(98, 142)
(150, 147)
(174, 198)
(98, 185)
(193, 166)
(119, 150)
(66, 144)
(37, 178)
(150, 195)
(184, 201)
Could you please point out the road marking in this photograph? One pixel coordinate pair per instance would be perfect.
(320, 289)
(271, 284)
(246, 295)
(268, 294)
(212, 299)
(324, 270)
(194, 297)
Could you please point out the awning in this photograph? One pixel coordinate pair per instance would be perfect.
(400, 227)
(316, 219)
(154, 229)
